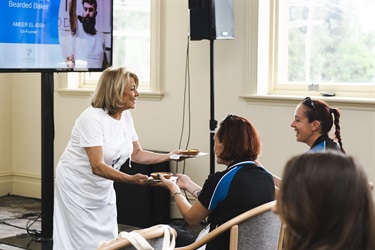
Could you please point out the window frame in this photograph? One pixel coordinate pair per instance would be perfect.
(78, 84)
(262, 63)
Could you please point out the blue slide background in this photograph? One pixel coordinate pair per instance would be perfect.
(40, 25)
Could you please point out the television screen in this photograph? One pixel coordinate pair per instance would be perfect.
(56, 36)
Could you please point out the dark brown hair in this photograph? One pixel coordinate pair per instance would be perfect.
(240, 139)
(91, 2)
(325, 202)
(319, 110)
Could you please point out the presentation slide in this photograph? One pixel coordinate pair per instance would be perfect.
(37, 34)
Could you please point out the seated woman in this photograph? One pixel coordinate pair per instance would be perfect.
(325, 202)
(313, 121)
(240, 187)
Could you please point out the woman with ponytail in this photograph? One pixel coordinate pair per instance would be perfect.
(313, 120)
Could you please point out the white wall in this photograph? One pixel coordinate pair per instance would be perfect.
(6, 167)
(158, 123)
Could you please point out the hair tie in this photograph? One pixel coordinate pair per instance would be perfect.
(330, 110)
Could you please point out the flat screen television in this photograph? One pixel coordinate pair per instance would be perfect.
(36, 36)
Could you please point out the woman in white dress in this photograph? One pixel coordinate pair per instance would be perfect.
(102, 139)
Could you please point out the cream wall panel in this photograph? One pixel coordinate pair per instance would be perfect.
(5, 134)
(27, 185)
(159, 122)
(26, 123)
(6, 183)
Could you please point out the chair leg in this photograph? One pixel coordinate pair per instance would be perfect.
(233, 242)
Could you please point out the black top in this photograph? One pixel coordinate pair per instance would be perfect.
(324, 143)
(229, 193)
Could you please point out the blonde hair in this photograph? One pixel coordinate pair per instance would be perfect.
(110, 89)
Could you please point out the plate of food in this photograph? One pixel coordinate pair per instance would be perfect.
(193, 151)
(187, 153)
(167, 175)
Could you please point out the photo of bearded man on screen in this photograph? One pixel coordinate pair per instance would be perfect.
(88, 45)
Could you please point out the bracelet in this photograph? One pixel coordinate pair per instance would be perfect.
(198, 192)
(175, 193)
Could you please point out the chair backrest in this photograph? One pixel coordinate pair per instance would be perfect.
(258, 229)
(155, 243)
(261, 232)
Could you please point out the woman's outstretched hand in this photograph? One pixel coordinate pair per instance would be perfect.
(138, 179)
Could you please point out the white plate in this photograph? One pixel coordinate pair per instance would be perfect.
(178, 156)
(173, 178)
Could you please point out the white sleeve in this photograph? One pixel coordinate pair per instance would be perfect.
(90, 129)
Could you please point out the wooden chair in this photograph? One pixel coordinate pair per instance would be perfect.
(259, 228)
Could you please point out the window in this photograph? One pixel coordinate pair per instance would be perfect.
(319, 46)
(135, 44)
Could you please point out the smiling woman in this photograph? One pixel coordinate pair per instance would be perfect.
(102, 140)
(116, 91)
(313, 121)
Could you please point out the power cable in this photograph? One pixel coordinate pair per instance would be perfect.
(186, 105)
(32, 218)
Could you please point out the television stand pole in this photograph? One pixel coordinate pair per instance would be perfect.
(48, 134)
(213, 122)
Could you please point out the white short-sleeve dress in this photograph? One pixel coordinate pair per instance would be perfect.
(84, 203)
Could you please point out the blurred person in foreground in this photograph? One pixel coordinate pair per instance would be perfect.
(325, 202)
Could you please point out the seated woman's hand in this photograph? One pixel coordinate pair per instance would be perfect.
(183, 181)
(168, 183)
